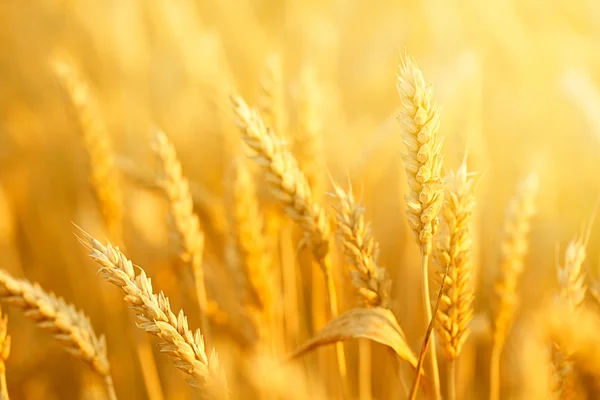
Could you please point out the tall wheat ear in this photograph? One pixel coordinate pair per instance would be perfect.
(154, 315)
(419, 119)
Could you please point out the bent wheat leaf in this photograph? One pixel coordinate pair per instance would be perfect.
(377, 324)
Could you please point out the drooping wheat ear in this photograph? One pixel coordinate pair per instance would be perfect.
(70, 327)
(308, 142)
(520, 211)
(453, 251)
(291, 188)
(184, 221)
(361, 250)
(4, 353)
(419, 118)
(272, 96)
(154, 315)
(104, 174)
(248, 245)
(286, 180)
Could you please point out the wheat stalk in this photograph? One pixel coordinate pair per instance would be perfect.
(185, 222)
(520, 211)
(361, 250)
(70, 327)
(4, 353)
(249, 247)
(154, 315)
(419, 118)
(104, 173)
(292, 190)
(453, 258)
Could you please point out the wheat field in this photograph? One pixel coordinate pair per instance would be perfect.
(299, 199)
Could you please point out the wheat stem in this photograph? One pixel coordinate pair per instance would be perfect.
(429, 336)
(451, 379)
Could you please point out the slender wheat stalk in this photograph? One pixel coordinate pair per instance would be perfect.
(308, 142)
(104, 173)
(70, 327)
(249, 247)
(185, 222)
(104, 176)
(154, 315)
(453, 253)
(419, 118)
(520, 211)
(291, 188)
(4, 353)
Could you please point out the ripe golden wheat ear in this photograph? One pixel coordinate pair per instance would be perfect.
(70, 327)
(154, 315)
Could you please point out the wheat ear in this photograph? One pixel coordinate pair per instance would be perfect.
(272, 96)
(573, 288)
(185, 222)
(154, 315)
(104, 173)
(520, 211)
(4, 353)
(361, 250)
(419, 118)
(370, 279)
(291, 188)
(453, 254)
(249, 247)
(70, 327)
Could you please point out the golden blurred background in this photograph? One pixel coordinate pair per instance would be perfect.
(519, 87)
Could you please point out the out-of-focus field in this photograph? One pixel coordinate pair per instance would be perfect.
(518, 83)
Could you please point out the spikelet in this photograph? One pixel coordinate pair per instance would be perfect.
(70, 327)
(286, 180)
(419, 118)
(520, 211)
(308, 142)
(104, 172)
(185, 222)
(4, 353)
(361, 250)
(248, 245)
(453, 251)
(154, 315)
